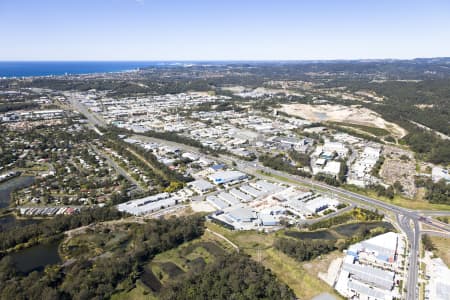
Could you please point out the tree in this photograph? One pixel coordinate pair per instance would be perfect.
(398, 187)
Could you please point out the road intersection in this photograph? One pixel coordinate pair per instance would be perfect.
(404, 216)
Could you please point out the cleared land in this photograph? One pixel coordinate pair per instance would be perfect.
(343, 114)
(442, 246)
(258, 245)
(399, 200)
(399, 165)
(378, 132)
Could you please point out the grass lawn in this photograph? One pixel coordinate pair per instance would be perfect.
(292, 272)
(365, 129)
(280, 178)
(244, 239)
(400, 201)
(320, 264)
(442, 245)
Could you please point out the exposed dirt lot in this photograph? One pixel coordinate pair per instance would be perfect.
(442, 248)
(396, 169)
(339, 113)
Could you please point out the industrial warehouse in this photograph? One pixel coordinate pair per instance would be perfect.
(371, 268)
(263, 205)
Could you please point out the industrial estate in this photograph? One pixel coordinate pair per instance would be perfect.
(168, 173)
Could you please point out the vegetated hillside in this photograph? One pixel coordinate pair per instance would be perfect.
(110, 258)
(98, 277)
(234, 276)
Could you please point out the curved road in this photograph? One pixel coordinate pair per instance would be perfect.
(404, 216)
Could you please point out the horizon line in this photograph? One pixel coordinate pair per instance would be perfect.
(223, 60)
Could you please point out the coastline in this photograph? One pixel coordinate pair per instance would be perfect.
(54, 69)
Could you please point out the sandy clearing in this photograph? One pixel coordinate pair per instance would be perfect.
(260, 90)
(202, 206)
(339, 113)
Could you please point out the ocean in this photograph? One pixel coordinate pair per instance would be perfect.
(46, 68)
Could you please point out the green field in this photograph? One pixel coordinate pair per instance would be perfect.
(259, 246)
(399, 200)
(379, 132)
(442, 246)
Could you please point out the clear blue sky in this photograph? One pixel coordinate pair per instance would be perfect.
(223, 29)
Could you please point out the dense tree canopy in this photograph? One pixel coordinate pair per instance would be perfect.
(234, 276)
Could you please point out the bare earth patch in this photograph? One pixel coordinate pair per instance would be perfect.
(395, 169)
(202, 206)
(339, 113)
(442, 245)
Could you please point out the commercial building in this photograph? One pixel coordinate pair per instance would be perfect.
(369, 269)
(242, 214)
(240, 195)
(332, 168)
(223, 177)
(148, 204)
(438, 173)
(230, 199)
(217, 202)
(251, 191)
(438, 287)
(201, 186)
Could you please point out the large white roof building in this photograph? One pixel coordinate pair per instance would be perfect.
(223, 177)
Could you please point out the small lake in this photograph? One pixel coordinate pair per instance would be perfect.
(313, 235)
(352, 229)
(36, 258)
(7, 187)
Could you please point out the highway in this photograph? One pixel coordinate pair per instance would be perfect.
(404, 216)
(118, 168)
(74, 100)
(251, 167)
(413, 236)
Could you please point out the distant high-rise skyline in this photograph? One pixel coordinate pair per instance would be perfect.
(223, 30)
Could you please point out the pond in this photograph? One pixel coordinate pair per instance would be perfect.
(357, 228)
(7, 187)
(36, 258)
(313, 235)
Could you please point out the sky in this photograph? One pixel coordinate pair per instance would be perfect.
(223, 29)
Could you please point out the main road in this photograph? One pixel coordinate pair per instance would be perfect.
(404, 216)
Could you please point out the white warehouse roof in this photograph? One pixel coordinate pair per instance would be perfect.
(226, 176)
